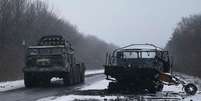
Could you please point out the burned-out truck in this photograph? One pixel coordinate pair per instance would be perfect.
(141, 67)
(53, 56)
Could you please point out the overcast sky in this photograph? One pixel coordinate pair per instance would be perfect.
(126, 21)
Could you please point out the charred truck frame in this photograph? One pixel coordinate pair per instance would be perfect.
(53, 56)
(141, 69)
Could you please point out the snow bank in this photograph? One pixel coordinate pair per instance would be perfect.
(9, 85)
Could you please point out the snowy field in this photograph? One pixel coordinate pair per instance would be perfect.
(11, 85)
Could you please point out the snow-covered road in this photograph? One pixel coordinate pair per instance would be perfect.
(11, 85)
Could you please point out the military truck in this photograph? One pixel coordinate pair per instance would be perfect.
(141, 67)
(53, 56)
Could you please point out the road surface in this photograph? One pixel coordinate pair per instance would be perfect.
(56, 89)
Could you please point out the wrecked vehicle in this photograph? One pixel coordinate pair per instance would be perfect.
(53, 56)
(141, 67)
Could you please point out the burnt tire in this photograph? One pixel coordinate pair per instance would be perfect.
(77, 78)
(82, 79)
(190, 89)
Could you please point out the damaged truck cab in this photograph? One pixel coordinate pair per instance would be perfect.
(140, 67)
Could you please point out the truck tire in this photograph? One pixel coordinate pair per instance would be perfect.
(28, 80)
(67, 79)
(83, 72)
(81, 78)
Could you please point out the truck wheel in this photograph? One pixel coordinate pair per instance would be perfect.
(190, 89)
(67, 80)
(28, 80)
(73, 79)
(82, 72)
(76, 78)
(160, 87)
(82, 78)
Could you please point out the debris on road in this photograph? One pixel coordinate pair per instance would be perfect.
(98, 92)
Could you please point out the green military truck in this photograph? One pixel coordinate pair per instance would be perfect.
(53, 56)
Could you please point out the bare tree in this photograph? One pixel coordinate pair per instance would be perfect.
(28, 20)
(185, 46)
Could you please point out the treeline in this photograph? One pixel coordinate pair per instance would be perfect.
(26, 21)
(185, 45)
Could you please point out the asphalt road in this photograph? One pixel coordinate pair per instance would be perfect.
(56, 89)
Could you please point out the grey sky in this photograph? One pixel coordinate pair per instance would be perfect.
(127, 21)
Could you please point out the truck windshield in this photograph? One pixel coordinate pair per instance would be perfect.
(148, 54)
(130, 55)
(138, 54)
